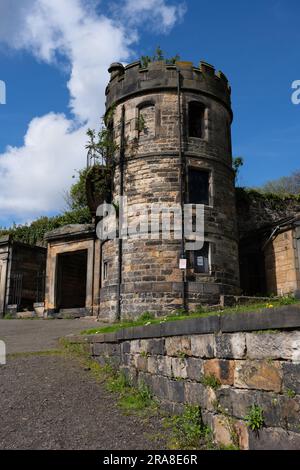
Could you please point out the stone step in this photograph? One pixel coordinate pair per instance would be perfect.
(66, 313)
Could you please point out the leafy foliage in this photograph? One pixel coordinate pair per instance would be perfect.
(76, 197)
(211, 381)
(157, 57)
(283, 186)
(237, 163)
(188, 429)
(33, 234)
(247, 194)
(255, 418)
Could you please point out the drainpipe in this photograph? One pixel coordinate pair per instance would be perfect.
(182, 185)
(93, 276)
(120, 241)
(7, 273)
(276, 229)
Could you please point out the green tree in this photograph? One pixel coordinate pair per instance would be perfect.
(237, 163)
(283, 186)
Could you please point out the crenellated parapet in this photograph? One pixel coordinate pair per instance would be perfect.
(133, 80)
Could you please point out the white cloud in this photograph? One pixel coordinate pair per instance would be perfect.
(159, 15)
(34, 176)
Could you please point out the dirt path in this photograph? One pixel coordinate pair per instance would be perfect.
(39, 335)
(51, 402)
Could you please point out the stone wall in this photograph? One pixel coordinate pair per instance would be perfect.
(251, 364)
(282, 264)
(256, 211)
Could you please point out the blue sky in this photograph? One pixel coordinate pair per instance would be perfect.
(255, 43)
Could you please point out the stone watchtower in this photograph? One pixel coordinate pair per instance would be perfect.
(172, 125)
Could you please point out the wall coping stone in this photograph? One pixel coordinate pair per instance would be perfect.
(286, 317)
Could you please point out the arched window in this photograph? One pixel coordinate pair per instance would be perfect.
(196, 119)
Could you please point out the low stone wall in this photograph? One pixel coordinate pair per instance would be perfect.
(252, 365)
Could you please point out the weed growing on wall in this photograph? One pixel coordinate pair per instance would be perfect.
(255, 418)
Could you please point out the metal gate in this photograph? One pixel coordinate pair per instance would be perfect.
(40, 287)
(15, 289)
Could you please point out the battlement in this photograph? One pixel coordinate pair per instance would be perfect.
(133, 79)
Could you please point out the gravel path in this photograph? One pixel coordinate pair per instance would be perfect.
(39, 335)
(51, 402)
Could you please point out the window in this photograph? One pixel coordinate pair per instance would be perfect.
(201, 259)
(146, 121)
(198, 186)
(196, 120)
(105, 270)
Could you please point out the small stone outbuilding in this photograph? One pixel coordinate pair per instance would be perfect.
(22, 275)
(73, 271)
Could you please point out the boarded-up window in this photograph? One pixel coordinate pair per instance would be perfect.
(196, 119)
(146, 121)
(201, 259)
(198, 186)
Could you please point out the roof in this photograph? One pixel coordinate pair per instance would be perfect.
(71, 231)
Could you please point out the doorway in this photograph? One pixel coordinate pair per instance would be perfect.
(71, 280)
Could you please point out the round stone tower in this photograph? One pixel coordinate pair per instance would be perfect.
(172, 128)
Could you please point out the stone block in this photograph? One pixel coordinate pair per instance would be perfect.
(152, 365)
(153, 346)
(222, 369)
(242, 433)
(259, 375)
(195, 367)
(230, 432)
(179, 367)
(198, 394)
(231, 346)
(236, 402)
(125, 347)
(141, 362)
(106, 349)
(176, 391)
(126, 360)
(160, 386)
(178, 345)
(274, 439)
(221, 429)
(274, 345)
(291, 376)
(164, 366)
(135, 346)
(203, 346)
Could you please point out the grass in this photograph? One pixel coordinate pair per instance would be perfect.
(130, 398)
(148, 319)
(51, 352)
(211, 381)
(188, 432)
